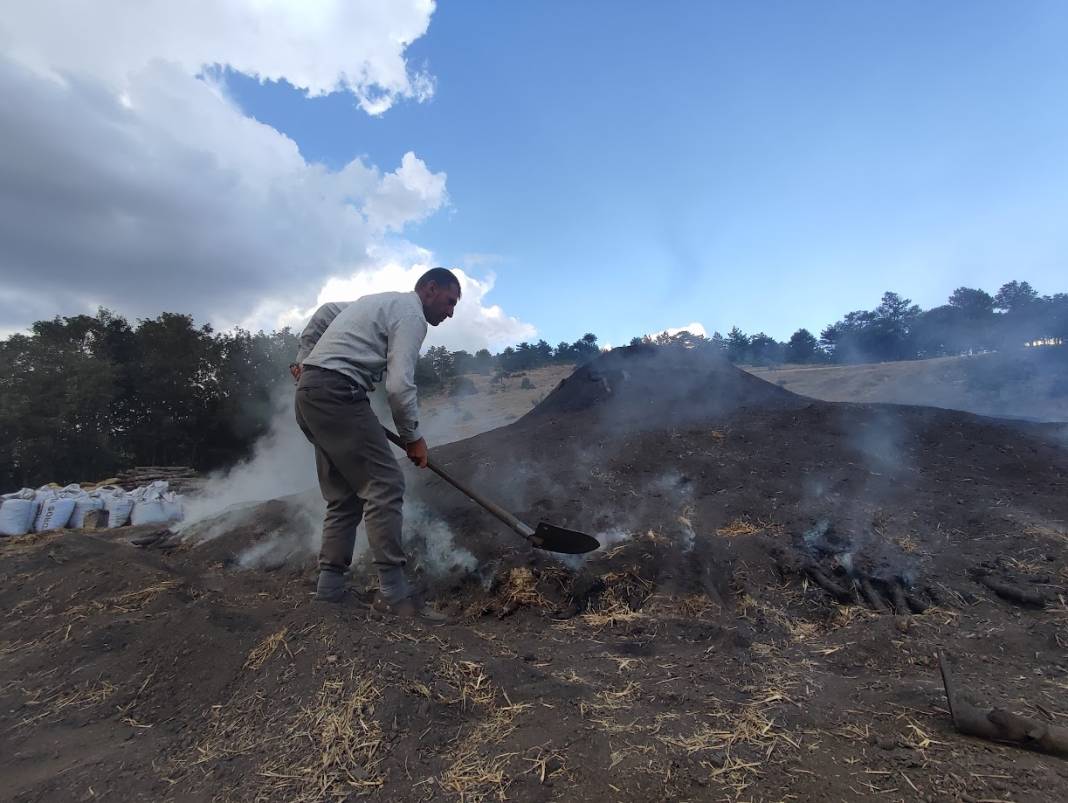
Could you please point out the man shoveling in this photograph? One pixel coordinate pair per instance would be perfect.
(352, 346)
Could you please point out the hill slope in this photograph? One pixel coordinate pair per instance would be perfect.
(1030, 384)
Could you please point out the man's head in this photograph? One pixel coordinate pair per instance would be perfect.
(439, 290)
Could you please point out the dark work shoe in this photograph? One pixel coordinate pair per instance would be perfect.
(331, 586)
(413, 608)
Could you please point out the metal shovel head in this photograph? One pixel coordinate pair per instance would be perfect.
(558, 539)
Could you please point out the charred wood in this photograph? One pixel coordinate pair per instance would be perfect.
(872, 597)
(839, 592)
(999, 725)
(1012, 592)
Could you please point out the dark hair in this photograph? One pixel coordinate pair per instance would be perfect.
(442, 277)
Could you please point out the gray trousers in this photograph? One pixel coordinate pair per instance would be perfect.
(358, 475)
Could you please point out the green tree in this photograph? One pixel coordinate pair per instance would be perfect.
(737, 345)
(1014, 297)
(972, 303)
(802, 347)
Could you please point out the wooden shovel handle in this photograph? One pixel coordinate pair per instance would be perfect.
(498, 511)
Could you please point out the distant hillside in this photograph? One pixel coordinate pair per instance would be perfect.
(448, 418)
(1030, 384)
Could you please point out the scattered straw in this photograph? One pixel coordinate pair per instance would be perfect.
(475, 770)
(743, 526)
(470, 681)
(60, 699)
(129, 602)
(263, 651)
(908, 544)
(625, 593)
(333, 748)
(521, 589)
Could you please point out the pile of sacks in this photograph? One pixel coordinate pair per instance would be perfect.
(53, 508)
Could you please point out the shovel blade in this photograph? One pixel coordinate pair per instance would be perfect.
(559, 539)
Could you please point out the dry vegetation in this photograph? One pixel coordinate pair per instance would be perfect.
(447, 419)
(955, 383)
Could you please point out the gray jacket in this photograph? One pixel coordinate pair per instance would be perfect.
(316, 326)
(376, 335)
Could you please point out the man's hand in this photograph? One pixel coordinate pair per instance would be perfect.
(294, 369)
(417, 452)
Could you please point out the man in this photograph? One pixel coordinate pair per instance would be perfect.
(358, 475)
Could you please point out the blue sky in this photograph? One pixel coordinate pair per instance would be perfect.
(618, 167)
(632, 166)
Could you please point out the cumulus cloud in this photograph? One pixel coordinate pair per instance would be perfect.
(320, 46)
(130, 180)
(167, 196)
(476, 323)
(695, 328)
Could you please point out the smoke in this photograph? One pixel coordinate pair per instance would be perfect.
(282, 464)
(282, 467)
(432, 544)
(857, 503)
(879, 440)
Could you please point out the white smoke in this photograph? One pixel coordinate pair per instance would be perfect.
(282, 464)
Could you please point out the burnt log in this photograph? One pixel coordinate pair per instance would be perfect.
(999, 725)
(872, 596)
(836, 590)
(915, 602)
(1013, 592)
(901, 605)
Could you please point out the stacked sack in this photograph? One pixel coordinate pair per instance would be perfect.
(17, 511)
(54, 507)
(154, 504)
(117, 503)
(51, 507)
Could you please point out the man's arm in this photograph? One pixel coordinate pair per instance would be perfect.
(405, 338)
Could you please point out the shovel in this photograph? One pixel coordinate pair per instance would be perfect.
(547, 536)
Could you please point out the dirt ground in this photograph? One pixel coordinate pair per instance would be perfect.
(1029, 384)
(723, 644)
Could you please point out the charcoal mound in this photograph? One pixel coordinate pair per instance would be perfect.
(675, 443)
(644, 385)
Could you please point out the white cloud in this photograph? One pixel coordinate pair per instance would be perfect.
(407, 194)
(476, 324)
(173, 199)
(321, 46)
(694, 328)
(128, 181)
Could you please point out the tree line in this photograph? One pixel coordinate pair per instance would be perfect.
(83, 397)
(971, 321)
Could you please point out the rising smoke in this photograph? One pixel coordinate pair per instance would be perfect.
(282, 467)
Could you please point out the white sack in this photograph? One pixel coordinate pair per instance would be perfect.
(53, 514)
(117, 503)
(16, 515)
(82, 506)
(162, 510)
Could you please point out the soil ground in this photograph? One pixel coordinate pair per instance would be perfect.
(695, 657)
